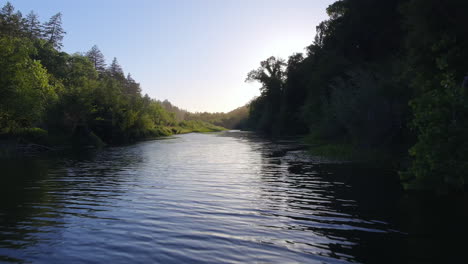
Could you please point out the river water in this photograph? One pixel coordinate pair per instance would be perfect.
(229, 197)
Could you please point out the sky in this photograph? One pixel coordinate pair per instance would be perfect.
(195, 53)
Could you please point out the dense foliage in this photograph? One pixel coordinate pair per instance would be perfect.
(235, 119)
(380, 75)
(54, 97)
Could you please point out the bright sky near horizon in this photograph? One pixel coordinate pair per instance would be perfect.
(195, 53)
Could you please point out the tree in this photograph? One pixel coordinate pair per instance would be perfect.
(24, 86)
(362, 104)
(97, 58)
(10, 22)
(7, 10)
(32, 26)
(73, 96)
(132, 87)
(295, 93)
(71, 114)
(437, 52)
(271, 74)
(53, 31)
(115, 70)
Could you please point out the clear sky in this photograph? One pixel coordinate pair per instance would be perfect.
(195, 53)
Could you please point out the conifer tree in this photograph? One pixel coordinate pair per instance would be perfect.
(7, 10)
(53, 31)
(32, 25)
(116, 70)
(97, 58)
(10, 22)
(132, 87)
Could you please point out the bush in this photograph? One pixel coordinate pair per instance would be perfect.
(33, 134)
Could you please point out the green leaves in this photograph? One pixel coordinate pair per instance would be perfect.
(24, 84)
(74, 96)
(440, 118)
(437, 45)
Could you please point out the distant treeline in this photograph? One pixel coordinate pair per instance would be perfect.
(52, 97)
(235, 119)
(381, 75)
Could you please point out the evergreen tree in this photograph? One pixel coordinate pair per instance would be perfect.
(53, 31)
(97, 58)
(132, 87)
(7, 10)
(10, 22)
(115, 70)
(32, 25)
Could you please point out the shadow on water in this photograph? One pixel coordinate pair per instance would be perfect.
(362, 209)
(18, 200)
(37, 194)
(215, 198)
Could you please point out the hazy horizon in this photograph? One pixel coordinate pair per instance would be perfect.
(196, 54)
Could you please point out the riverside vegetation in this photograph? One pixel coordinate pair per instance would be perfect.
(51, 98)
(385, 78)
(382, 78)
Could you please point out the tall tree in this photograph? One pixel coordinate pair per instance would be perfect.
(97, 58)
(132, 87)
(7, 10)
(116, 70)
(10, 22)
(32, 25)
(271, 74)
(53, 31)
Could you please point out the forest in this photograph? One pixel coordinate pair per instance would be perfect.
(54, 98)
(380, 77)
(355, 149)
(235, 119)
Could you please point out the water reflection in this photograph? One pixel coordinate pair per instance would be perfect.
(38, 195)
(204, 198)
(23, 213)
(309, 198)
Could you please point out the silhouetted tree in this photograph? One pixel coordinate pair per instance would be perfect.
(271, 74)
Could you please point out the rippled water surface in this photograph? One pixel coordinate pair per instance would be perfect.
(206, 198)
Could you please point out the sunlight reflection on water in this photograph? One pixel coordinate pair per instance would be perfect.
(195, 198)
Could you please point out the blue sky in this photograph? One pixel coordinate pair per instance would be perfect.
(195, 53)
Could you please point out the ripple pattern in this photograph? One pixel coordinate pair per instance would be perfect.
(196, 198)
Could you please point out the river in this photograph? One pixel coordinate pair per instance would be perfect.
(228, 197)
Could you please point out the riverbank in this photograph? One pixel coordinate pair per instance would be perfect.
(35, 141)
(394, 158)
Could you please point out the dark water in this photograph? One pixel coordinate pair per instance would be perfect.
(217, 198)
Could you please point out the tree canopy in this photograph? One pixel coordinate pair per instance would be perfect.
(73, 98)
(380, 75)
